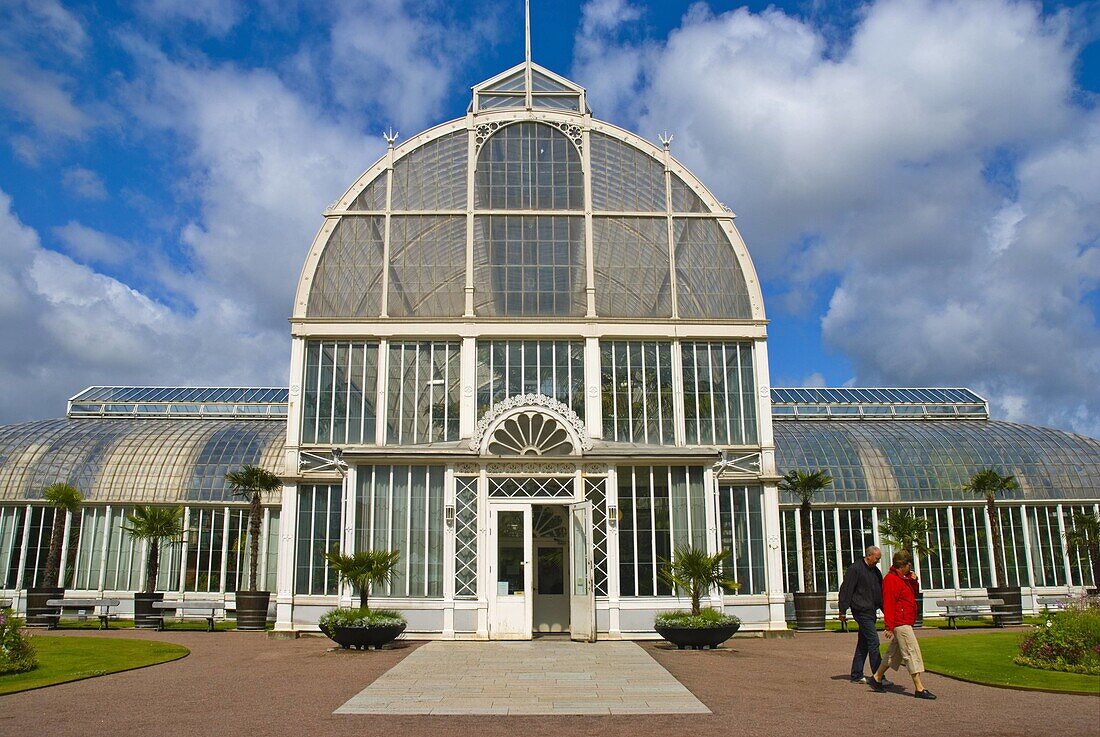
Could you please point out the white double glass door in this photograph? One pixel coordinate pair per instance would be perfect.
(511, 569)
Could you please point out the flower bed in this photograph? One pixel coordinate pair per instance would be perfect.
(705, 619)
(16, 651)
(1069, 641)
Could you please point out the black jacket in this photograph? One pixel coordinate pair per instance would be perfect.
(862, 588)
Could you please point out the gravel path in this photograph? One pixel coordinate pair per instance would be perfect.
(242, 684)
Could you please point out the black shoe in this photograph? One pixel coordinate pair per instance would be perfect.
(876, 685)
(925, 694)
(886, 682)
(859, 679)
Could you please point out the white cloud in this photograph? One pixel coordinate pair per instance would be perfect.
(217, 17)
(93, 246)
(866, 164)
(84, 182)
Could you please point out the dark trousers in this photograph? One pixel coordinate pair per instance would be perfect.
(866, 644)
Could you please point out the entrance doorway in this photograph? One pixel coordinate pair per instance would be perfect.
(540, 570)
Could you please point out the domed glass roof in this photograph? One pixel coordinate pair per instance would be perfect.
(528, 208)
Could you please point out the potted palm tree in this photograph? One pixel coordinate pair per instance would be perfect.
(64, 498)
(903, 530)
(251, 482)
(809, 605)
(363, 627)
(698, 573)
(1084, 535)
(987, 484)
(155, 525)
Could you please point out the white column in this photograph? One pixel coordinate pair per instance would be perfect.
(678, 425)
(951, 537)
(467, 418)
(63, 563)
(612, 498)
(449, 555)
(773, 558)
(347, 544)
(1065, 548)
(225, 552)
(284, 577)
(106, 549)
(710, 506)
(991, 554)
(380, 407)
(592, 405)
(23, 549)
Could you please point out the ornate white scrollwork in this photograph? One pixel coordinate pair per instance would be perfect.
(531, 424)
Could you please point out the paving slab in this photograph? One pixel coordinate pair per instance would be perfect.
(540, 677)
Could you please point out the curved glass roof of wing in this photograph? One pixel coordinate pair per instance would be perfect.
(139, 461)
(930, 460)
(162, 401)
(511, 207)
(891, 403)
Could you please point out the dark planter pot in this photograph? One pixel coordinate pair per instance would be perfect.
(920, 610)
(809, 611)
(37, 611)
(252, 609)
(145, 616)
(364, 638)
(697, 638)
(1011, 612)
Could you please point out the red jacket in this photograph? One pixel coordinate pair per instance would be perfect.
(899, 599)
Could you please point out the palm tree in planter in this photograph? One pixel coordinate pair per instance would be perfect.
(903, 530)
(363, 628)
(1084, 535)
(698, 573)
(809, 605)
(156, 526)
(987, 484)
(65, 499)
(251, 482)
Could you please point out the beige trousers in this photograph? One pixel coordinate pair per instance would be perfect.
(904, 649)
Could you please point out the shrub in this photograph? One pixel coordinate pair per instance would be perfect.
(1068, 641)
(16, 651)
(343, 617)
(704, 619)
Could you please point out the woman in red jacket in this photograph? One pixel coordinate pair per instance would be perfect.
(899, 609)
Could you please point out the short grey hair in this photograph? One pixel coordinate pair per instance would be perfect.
(871, 550)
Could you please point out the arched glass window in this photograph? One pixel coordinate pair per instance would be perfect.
(529, 166)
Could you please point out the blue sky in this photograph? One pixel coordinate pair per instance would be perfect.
(916, 180)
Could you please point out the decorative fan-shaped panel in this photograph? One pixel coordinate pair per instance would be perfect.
(531, 433)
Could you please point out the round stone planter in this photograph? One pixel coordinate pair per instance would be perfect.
(252, 609)
(145, 616)
(809, 612)
(364, 638)
(697, 638)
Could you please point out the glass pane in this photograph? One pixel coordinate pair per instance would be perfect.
(579, 552)
(510, 541)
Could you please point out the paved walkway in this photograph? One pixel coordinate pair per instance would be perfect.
(541, 677)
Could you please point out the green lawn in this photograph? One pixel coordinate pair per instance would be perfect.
(194, 625)
(936, 623)
(64, 659)
(987, 658)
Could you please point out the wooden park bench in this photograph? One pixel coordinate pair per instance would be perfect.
(970, 608)
(83, 608)
(182, 607)
(1054, 602)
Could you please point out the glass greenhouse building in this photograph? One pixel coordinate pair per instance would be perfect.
(529, 352)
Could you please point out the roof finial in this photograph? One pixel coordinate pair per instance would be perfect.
(390, 136)
(527, 57)
(666, 139)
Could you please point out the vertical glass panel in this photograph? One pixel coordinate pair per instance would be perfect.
(427, 266)
(433, 176)
(529, 166)
(373, 196)
(529, 266)
(632, 269)
(38, 547)
(423, 393)
(625, 179)
(319, 522)
(857, 533)
(719, 393)
(636, 382)
(650, 521)
(709, 281)
(684, 198)
(271, 550)
(401, 508)
(1079, 562)
(741, 526)
(11, 544)
(1013, 555)
(506, 368)
(510, 541)
(971, 552)
(93, 521)
(348, 279)
(1048, 565)
(596, 492)
(792, 562)
(579, 551)
(338, 404)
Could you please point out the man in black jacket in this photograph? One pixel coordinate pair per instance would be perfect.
(861, 592)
